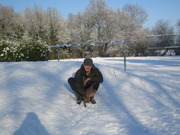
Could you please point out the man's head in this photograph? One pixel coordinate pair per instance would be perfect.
(88, 63)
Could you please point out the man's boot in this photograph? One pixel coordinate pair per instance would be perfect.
(79, 99)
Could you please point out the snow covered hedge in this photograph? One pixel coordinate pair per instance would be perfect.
(23, 51)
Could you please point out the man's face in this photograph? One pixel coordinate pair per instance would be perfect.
(87, 68)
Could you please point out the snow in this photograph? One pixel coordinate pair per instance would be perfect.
(144, 100)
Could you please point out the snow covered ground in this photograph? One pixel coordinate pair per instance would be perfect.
(35, 98)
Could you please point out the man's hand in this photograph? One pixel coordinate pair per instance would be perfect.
(85, 81)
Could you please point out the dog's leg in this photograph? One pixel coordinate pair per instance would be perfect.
(85, 100)
(84, 103)
(88, 98)
(92, 100)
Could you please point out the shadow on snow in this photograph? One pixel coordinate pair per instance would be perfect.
(31, 126)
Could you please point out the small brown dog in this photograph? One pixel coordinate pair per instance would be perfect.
(90, 93)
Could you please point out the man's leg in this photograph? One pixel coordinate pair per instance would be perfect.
(72, 84)
(73, 87)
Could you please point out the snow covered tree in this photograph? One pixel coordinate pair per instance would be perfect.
(96, 23)
(164, 32)
(57, 28)
(134, 17)
(36, 23)
(178, 32)
(96, 12)
(53, 24)
(11, 27)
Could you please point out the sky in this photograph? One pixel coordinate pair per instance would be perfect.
(167, 10)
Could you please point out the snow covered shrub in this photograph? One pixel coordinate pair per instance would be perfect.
(24, 51)
(36, 51)
(8, 50)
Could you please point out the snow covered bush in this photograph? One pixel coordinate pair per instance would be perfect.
(35, 51)
(8, 50)
(23, 51)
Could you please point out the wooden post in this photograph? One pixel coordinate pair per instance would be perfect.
(58, 53)
(124, 58)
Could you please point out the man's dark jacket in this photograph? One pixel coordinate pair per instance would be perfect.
(95, 76)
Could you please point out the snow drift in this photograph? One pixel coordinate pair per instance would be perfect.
(144, 100)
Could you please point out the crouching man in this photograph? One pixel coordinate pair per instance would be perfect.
(85, 77)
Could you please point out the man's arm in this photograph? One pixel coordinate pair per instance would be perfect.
(96, 76)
